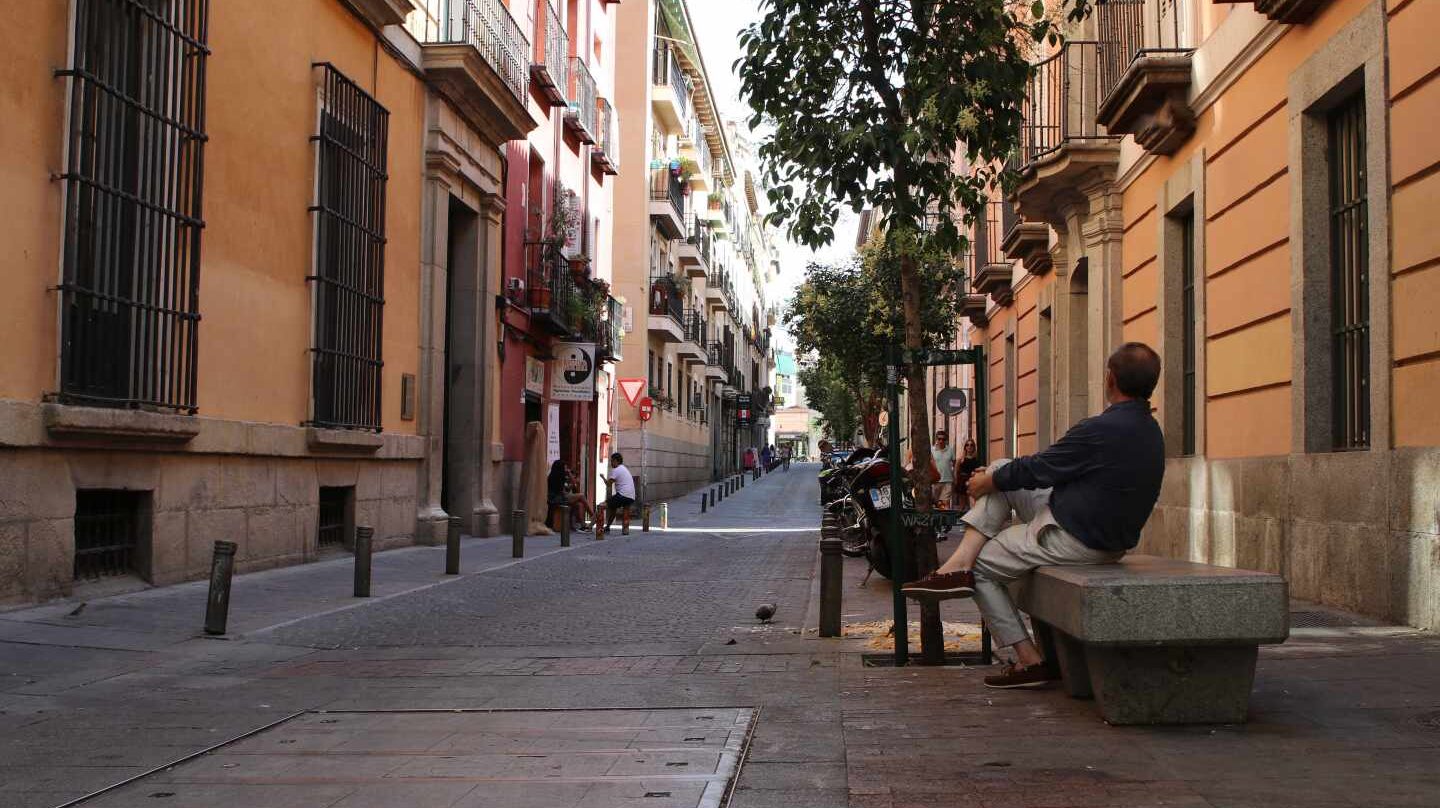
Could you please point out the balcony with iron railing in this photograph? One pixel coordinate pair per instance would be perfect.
(557, 302)
(1145, 73)
(696, 251)
(667, 201)
(670, 88)
(692, 347)
(552, 45)
(477, 56)
(583, 101)
(666, 307)
(1062, 145)
(610, 335)
(606, 153)
(992, 269)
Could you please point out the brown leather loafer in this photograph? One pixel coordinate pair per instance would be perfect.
(941, 586)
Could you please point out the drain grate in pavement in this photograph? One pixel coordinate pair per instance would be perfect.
(670, 758)
(1327, 619)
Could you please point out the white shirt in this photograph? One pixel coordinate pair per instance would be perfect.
(624, 481)
(944, 462)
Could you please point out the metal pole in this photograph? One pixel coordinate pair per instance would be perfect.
(831, 586)
(364, 537)
(222, 570)
(452, 547)
(644, 518)
(897, 540)
(517, 534)
(980, 407)
(565, 526)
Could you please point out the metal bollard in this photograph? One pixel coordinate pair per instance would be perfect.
(742, 480)
(645, 519)
(517, 534)
(222, 570)
(452, 547)
(831, 587)
(664, 516)
(364, 543)
(703, 497)
(712, 497)
(565, 527)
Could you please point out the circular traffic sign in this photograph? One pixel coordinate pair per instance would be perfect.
(647, 408)
(951, 401)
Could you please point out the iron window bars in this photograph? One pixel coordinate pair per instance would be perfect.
(1350, 281)
(1189, 314)
(107, 534)
(133, 187)
(349, 275)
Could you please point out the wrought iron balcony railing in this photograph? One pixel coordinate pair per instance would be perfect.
(701, 238)
(485, 25)
(554, 298)
(547, 67)
(666, 185)
(610, 335)
(666, 300)
(607, 139)
(1061, 102)
(668, 72)
(1131, 29)
(583, 99)
(695, 327)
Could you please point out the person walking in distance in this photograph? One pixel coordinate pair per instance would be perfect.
(621, 484)
(1083, 500)
(942, 454)
(965, 469)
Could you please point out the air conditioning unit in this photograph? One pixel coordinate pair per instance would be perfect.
(515, 289)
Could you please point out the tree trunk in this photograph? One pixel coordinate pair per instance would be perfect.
(932, 634)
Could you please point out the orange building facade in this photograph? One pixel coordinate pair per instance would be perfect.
(1248, 188)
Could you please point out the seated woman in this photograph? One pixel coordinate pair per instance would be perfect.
(560, 492)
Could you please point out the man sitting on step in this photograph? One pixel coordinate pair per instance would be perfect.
(1082, 500)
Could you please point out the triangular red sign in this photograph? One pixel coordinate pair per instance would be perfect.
(632, 389)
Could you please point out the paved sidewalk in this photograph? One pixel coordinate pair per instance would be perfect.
(591, 677)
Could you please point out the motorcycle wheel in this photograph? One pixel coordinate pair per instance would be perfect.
(878, 551)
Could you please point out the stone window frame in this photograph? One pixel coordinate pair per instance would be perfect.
(1351, 61)
(1181, 196)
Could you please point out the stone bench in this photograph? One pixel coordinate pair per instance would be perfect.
(1157, 641)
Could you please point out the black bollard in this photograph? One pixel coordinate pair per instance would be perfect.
(831, 587)
(364, 537)
(517, 534)
(565, 526)
(222, 570)
(452, 547)
(645, 519)
(702, 502)
(712, 497)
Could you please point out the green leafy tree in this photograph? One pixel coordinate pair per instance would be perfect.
(907, 107)
(829, 393)
(904, 106)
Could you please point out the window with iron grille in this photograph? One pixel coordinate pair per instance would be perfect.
(108, 527)
(1187, 334)
(133, 181)
(1349, 275)
(349, 274)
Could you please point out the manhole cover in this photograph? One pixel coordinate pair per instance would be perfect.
(670, 758)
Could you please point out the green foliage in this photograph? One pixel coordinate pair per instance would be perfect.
(828, 393)
(867, 102)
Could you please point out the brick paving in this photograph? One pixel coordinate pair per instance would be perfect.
(1342, 716)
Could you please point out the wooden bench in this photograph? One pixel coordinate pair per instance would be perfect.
(1157, 641)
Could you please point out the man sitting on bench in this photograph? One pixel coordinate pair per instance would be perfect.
(1083, 500)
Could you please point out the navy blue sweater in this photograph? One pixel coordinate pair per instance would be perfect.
(1106, 473)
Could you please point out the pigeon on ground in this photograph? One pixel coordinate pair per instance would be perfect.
(765, 612)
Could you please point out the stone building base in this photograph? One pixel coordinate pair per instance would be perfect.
(191, 496)
(1358, 531)
(671, 467)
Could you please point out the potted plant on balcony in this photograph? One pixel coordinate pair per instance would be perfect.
(716, 199)
(539, 294)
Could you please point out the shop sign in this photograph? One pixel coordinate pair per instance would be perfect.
(575, 368)
(552, 435)
(742, 409)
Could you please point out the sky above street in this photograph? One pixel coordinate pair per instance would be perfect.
(717, 25)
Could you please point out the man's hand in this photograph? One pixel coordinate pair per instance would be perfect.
(981, 483)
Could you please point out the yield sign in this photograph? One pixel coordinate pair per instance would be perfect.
(632, 388)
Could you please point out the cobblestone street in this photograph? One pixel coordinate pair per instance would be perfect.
(460, 692)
